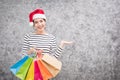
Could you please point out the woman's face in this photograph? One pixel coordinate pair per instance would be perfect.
(39, 24)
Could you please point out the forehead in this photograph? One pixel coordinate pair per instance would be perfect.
(38, 19)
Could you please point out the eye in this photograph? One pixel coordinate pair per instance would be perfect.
(38, 21)
(35, 22)
(41, 21)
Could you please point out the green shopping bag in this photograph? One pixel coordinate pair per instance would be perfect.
(24, 69)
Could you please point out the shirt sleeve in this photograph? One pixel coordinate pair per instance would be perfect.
(25, 46)
(55, 50)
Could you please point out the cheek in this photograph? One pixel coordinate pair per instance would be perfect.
(44, 24)
(35, 25)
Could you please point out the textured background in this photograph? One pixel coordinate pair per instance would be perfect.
(93, 25)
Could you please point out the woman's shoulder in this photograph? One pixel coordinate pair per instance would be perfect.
(28, 35)
(51, 36)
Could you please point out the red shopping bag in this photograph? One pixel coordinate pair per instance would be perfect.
(37, 73)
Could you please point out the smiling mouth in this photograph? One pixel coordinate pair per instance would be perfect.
(40, 27)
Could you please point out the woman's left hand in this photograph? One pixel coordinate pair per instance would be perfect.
(63, 43)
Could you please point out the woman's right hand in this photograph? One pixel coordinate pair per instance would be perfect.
(31, 50)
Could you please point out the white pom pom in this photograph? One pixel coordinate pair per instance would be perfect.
(31, 23)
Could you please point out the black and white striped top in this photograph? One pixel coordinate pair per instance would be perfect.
(46, 42)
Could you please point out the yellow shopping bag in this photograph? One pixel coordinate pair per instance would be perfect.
(30, 75)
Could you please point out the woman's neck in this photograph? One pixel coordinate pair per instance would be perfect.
(40, 32)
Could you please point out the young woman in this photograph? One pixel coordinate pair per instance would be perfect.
(40, 40)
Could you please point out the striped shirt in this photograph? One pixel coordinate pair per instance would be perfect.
(45, 42)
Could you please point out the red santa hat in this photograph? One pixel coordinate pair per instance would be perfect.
(38, 13)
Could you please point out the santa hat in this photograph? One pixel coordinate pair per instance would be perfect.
(38, 13)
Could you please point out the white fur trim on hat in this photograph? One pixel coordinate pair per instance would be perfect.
(39, 16)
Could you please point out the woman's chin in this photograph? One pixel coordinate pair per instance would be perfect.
(40, 30)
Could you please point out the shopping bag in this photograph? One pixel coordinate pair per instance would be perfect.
(30, 74)
(14, 69)
(22, 72)
(39, 67)
(51, 60)
(52, 64)
(45, 72)
(37, 72)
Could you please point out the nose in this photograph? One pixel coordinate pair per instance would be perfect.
(39, 23)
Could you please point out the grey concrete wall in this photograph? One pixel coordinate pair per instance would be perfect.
(93, 25)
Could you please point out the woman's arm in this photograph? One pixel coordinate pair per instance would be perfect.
(26, 46)
(57, 50)
(63, 43)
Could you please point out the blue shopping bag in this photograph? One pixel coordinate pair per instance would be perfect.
(14, 68)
